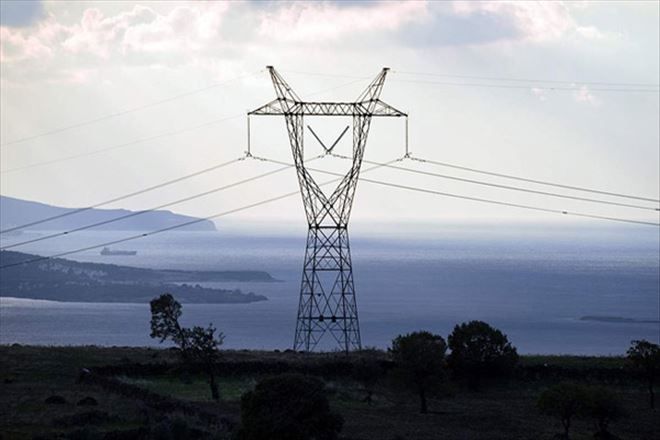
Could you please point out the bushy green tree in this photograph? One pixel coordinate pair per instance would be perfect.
(480, 351)
(420, 362)
(564, 401)
(288, 407)
(196, 345)
(645, 357)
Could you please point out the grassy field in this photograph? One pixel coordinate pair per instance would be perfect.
(29, 375)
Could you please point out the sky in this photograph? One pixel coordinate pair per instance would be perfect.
(168, 85)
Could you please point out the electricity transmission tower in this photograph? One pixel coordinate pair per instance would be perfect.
(327, 294)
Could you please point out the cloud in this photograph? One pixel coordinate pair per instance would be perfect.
(200, 33)
(583, 95)
(310, 22)
(20, 13)
(480, 23)
(184, 29)
(535, 21)
(541, 94)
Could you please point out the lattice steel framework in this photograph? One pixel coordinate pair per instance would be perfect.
(327, 293)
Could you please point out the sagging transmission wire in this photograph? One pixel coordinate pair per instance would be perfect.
(153, 208)
(482, 200)
(122, 197)
(180, 225)
(508, 187)
(496, 83)
(155, 136)
(130, 110)
(122, 145)
(525, 179)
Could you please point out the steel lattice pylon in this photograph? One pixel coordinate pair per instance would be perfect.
(327, 294)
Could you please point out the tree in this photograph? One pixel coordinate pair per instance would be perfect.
(603, 407)
(368, 371)
(197, 345)
(564, 401)
(288, 407)
(165, 314)
(420, 362)
(479, 351)
(645, 357)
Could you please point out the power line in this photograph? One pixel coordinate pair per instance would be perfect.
(147, 234)
(272, 199)
(122, 197)
(144, 211)
(129, 110)
(154, 137)
(513, 188)
(528, 80)
(122, 145)
(177, 226)
(524, 179)
(528, 87)
(576, 87)
(484, 200)
(515, 205)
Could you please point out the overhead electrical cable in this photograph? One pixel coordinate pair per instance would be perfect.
(177, 226)
(575, 85)
(515, 205)
(484, 200)
(151, 138)
(153, 208)
(528, 87)
(508, 187)
(122, 145)
(148, 234)
(130, 110)
(528, 80)
(122, 197)
(539, 182)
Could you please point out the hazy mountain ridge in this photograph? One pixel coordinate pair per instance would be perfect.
(15, 212)
(65, 280)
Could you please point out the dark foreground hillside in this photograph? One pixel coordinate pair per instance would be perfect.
(140, 393)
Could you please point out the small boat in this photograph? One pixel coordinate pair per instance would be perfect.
(108, 251)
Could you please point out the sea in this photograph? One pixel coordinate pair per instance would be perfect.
(536, 284)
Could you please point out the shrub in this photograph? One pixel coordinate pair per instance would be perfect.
(368, 371)
(176, 428)
(645, 357)
(564, 401)
(420, 362)
(480, 351)
(288, 407)
(603, 407)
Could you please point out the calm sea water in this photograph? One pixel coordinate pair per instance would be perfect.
(534, 285)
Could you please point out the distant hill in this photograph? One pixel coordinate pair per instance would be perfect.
(16, 212)
(58, 279)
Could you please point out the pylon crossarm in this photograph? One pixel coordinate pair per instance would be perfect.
(284, 107)
(383, 109)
